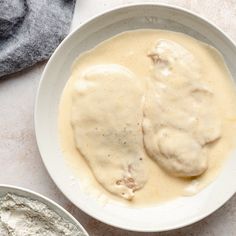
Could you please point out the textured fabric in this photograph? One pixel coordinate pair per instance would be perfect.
(30, 30)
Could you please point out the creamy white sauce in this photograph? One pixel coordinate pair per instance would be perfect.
(131, 50)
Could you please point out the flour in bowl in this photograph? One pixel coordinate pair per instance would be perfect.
(20, 216)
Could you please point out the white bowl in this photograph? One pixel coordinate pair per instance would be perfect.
(173, 214)
(4, 189)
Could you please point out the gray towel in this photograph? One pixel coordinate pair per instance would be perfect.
(30, 30)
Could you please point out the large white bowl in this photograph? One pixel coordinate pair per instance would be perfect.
(171, 215)
(4, 189)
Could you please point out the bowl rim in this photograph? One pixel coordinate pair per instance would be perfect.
(12, 189)
(83, 25)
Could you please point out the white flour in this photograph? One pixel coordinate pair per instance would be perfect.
(20, 216)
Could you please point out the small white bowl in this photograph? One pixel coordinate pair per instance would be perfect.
(4, 189)
(171, 215)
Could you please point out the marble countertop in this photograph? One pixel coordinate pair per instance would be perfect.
(20, 161)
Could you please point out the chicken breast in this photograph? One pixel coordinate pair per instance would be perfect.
(107, 125)
(180, 117)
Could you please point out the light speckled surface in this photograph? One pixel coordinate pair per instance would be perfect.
(20, 162)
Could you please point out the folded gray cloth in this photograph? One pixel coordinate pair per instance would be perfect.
(30, 30)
